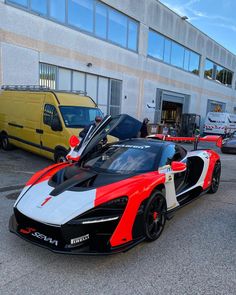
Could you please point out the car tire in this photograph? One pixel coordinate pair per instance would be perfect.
(5, 144)
(215, 178)
(155, 216)
(60, 156)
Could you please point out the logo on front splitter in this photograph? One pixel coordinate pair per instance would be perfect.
(79, 239)
(38, 235)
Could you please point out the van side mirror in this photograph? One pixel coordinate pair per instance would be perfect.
(177, 167)
(56, 124)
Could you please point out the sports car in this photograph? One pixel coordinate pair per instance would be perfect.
(108, 198)
(229, 144)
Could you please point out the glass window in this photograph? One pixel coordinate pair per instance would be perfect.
(167, 50)
(39, 6)
(177, 55)
(229, 78)
(78, 81)
(64, 79)
(194, 63)
(102, 91)
(117, 31)
(78, 117)
(167, 155)
(58, 10)
(80, 14)
(49, 112)
(208, 69)
(155, 45)
(133, 35)
(101, 20)
(115, 97)
(92, 86)
(21, 2)
(220, 74)
(47, 75)
(186, 59)
(121, 159)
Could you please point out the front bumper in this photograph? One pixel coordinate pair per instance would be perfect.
(57, 239)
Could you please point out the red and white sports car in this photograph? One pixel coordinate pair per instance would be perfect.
(112, 197)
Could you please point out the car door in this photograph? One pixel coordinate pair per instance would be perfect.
(174, 152)
(121, 126)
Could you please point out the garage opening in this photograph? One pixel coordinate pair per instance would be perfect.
(171, 112)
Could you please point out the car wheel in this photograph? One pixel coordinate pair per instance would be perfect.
(6, 146)
(155, 216)
(215, 178)
(60, 156)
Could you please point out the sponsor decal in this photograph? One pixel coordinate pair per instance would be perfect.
(79, 239)
(32, 231)
(132, 146)
(45, 201)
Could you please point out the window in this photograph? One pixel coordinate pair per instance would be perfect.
(218, 73)
(162, 48)
(80, 14)
(58, 10)
(172, 153)
(115, 97)
(155, 45)
(20, 2)
(90, 16)
(132, 35)
(78, 117)
(177, 55)
(101, 21)
(104, 91)
(39, 6)
(49, 113)
(194, 63)
(47, 75)
(117, 29)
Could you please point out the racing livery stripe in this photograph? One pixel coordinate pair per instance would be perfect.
(46, 173)
(213, 158)
(137, 189)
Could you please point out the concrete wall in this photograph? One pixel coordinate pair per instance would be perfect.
(27, 39)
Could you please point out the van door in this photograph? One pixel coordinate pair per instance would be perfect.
(53, 134)
(29, 134)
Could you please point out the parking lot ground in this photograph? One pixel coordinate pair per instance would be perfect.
(196, 253)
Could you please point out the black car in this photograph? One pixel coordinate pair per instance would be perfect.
(229, 144)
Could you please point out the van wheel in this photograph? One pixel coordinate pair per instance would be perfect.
(5, 144)
(60, 156)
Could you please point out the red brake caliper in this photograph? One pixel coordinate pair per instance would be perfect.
(155, 215)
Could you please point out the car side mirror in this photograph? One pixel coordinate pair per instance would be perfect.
(74, 141)
(56, 124)
(178, 166)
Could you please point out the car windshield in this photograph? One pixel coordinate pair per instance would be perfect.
(124, 158)
(79, 117)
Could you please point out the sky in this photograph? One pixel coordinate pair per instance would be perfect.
(216, 18)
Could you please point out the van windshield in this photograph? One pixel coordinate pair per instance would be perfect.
(79, 117)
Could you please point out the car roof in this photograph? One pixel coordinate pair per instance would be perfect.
(144, 141)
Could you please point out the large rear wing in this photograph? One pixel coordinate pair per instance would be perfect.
(195, 139)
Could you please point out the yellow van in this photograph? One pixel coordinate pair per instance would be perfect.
(41, 120)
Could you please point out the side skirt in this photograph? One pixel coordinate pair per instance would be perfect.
(188, 198)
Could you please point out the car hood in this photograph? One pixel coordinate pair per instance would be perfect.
(67, 194)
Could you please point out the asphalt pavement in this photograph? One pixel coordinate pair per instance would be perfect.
(196, 253)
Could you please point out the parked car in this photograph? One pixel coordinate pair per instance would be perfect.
(220, 123)
(41, 120)
(229, 144)
(109, 199)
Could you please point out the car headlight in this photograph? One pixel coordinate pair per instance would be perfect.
(106, 212)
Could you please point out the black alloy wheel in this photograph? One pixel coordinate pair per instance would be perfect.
(215, 178)
(155, 216)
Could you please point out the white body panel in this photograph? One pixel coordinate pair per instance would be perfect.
(59, 209)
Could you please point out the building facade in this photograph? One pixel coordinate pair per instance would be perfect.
(141, 59)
